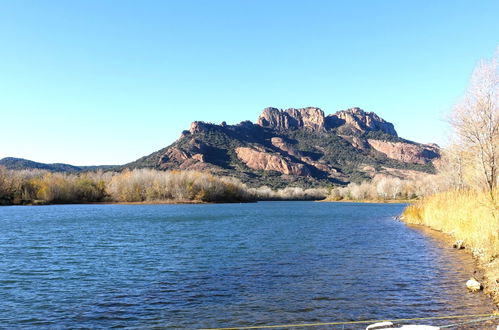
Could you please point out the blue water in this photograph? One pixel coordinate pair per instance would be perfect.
(202, 266)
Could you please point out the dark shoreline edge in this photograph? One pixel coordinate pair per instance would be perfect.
(479, 271)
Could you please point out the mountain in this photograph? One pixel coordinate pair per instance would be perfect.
(302, 147)
(12, 163)
(299, 146)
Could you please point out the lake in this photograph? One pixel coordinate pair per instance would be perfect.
(223, 265)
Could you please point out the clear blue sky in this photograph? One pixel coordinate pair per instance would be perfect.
(106, 82)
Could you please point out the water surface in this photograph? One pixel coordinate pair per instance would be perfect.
(202, 266)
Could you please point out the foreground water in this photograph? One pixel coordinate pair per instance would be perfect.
(194, 266)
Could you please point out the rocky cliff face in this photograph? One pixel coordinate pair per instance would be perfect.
(406, 152)
(354, 120)
(284, 146)
(261, 160)
(357, 120)
(308, 118)
(301, 146)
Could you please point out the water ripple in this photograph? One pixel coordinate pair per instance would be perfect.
(192, 266)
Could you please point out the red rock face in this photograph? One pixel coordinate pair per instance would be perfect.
(356, 119)
(260, 160)
(308, 118)
(175, 154)
(198, 127)
(287, 148)
(282, 145)
(405, 152)
(347, 121)
(185, 160)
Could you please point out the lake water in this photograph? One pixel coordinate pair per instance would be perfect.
(222, 265)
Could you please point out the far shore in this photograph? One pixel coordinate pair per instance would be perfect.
(159, 202)
(180, 202)
(372, 201)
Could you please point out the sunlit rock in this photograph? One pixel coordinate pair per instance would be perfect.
(473, 285)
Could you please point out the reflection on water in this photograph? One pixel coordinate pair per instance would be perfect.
(193, 266)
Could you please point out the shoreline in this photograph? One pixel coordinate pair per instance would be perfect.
(372, 201)
(448, 241)
(483, 271)
(159, 202)
(180, 202)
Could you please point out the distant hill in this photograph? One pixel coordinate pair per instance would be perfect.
(299, 146)
(12, 163)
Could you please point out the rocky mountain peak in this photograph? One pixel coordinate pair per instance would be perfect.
(309, 118)
(299, 146)
(356, 119)
(199, 126)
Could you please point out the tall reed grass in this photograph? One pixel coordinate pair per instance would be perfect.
(468, 215)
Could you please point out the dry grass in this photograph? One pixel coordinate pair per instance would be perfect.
(470, 216)
(466, 215)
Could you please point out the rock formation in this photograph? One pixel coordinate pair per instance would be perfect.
(308, 118)
(357, 120)
(199, 126)
(348, 121)
(405, 152)
(175, 154)
(284, 146)
(260, 160)
(298, 145)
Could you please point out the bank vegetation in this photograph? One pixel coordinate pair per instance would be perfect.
(467, 206)
(18, 187)
(384, 188)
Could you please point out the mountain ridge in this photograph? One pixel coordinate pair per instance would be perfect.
(297, 146)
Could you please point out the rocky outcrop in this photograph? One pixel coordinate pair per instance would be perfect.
(199, 127)
(290, 150)
(198, 157)
(174, 154)
(308, 118)
(261, 160)
(406, 152)
(347, 121)
(321, 166)
(284, 146)
(192, 160)
(357, 120)
(356, 142)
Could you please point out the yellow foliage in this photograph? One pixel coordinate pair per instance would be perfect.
(468, 215)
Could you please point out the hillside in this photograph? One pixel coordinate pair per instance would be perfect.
(296, 146)
(12, 163)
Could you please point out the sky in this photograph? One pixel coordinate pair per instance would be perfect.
(106, 82)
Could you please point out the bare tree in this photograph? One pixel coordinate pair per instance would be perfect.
(476, 123)
(451, 168)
